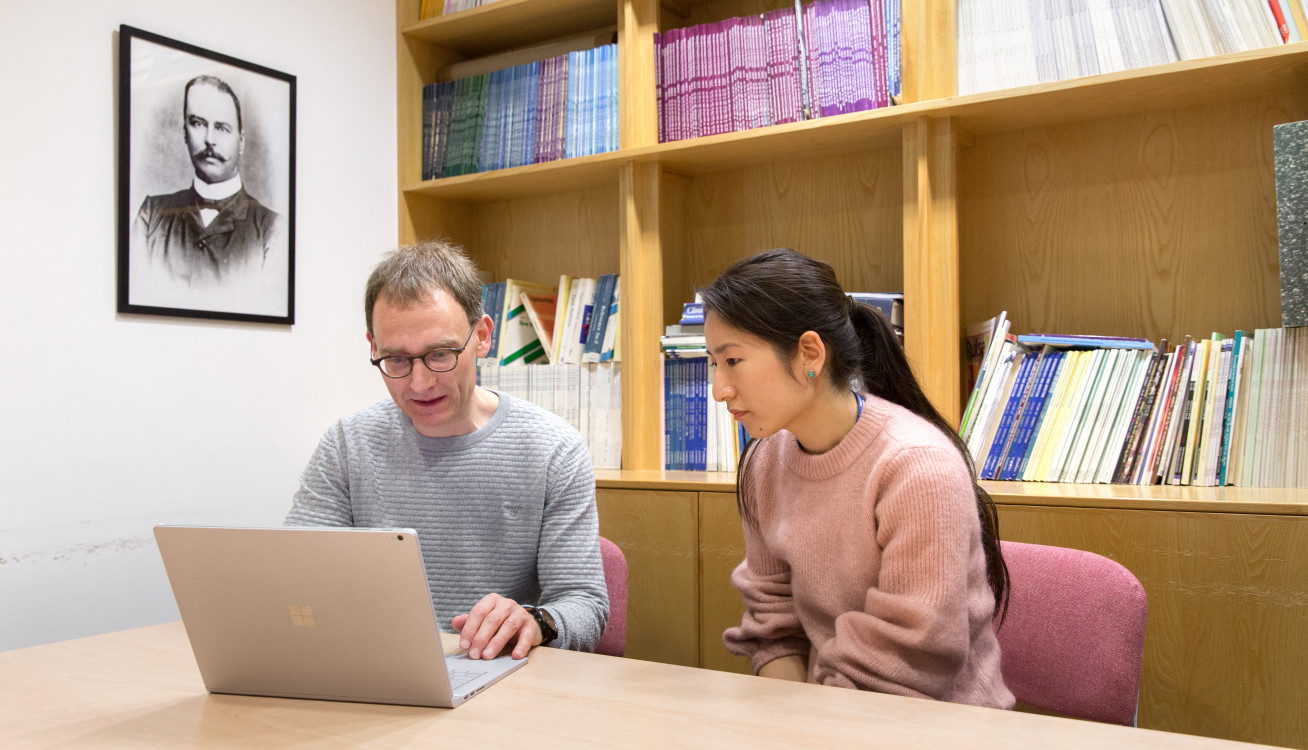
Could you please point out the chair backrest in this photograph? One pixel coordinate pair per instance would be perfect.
(614, 640)
(1073, 639)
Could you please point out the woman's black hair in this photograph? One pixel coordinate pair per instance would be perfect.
(780, 294)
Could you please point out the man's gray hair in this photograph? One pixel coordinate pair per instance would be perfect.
(408, 276)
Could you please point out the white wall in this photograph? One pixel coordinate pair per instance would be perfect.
(111, 423)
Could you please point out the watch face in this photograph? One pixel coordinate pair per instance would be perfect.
(548, 630)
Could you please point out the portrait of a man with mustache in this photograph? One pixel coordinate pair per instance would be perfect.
(213, 232)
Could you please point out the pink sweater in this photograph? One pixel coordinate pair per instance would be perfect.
(867, 560)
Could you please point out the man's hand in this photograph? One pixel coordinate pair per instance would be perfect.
(492, 624)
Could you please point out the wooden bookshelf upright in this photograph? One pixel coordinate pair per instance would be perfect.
(1139, 203)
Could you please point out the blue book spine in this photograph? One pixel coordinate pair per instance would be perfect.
(599, 317)
(669, 367)
(683, 412)
(1227, 423)
(701, 414)
(607, 354)
(1006, 419)
(496, 306)
(1029, 420)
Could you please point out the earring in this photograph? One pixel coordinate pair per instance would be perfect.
(811, 374)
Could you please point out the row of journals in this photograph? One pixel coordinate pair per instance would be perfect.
(564, 106)
(1003, 44)
(589, 397)
(1096, 409)
(699, 434)
(573, 323)
(823, 58)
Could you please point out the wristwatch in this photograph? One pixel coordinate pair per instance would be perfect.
(548, 630)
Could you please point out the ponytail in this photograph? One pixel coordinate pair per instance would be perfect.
(885, 373)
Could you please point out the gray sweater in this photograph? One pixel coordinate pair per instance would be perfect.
(509, 508)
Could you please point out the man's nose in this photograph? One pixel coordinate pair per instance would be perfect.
(421, 378)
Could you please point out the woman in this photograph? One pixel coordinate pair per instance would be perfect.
(872, 557)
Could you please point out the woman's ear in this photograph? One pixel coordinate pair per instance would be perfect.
(812, 354)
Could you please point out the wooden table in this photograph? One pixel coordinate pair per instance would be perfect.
(141, 688)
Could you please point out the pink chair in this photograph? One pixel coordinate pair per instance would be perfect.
(1073, 639)
(614, 640)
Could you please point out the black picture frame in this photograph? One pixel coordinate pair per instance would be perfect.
(178, 255)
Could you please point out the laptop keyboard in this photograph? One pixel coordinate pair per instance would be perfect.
(461, 677)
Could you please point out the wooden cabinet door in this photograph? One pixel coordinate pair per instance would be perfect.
(657, 532)
(721, 549)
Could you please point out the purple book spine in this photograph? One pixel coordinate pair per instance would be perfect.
(880, 73)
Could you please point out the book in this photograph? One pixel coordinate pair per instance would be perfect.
(692, 313)
(613, 328)
(1095, 415)
(1289, 141)
(495, 309)
(1032, 413)
(1144, 470)
(975, 341)
(1167, 455)
(540, 309)
(1057, 403)
(1128, 406)
(1193, 412)
(519, 343)
(1215, 422)
(1077, 431)
(560, 314)
(599, 317)
(999, 382)
(989, 361)
(1015, 398)
(1137, 432)
(576, 320)
(1082, 341)
(1232, 444)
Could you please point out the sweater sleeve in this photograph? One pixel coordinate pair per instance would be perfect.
(568, 562)
(324, 495)
(770, 627)
(912, 636)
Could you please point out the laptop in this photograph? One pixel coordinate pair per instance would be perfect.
(338, 614)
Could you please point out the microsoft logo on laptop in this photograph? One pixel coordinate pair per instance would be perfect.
(302, 616)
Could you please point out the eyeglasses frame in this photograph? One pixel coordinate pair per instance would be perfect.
(457, 351)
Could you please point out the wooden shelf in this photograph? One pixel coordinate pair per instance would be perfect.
(1232, 77)
(508, 24)
(523, 182)
(827, 136)
(1256, 500)
(664, 480)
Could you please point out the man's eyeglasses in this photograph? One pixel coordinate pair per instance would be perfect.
(442, 359)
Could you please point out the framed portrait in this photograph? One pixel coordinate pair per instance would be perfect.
(206, 183)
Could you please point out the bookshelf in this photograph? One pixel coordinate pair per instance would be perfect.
(1137, 203)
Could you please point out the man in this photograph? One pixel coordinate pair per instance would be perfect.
(213, 231)
(500, 491)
